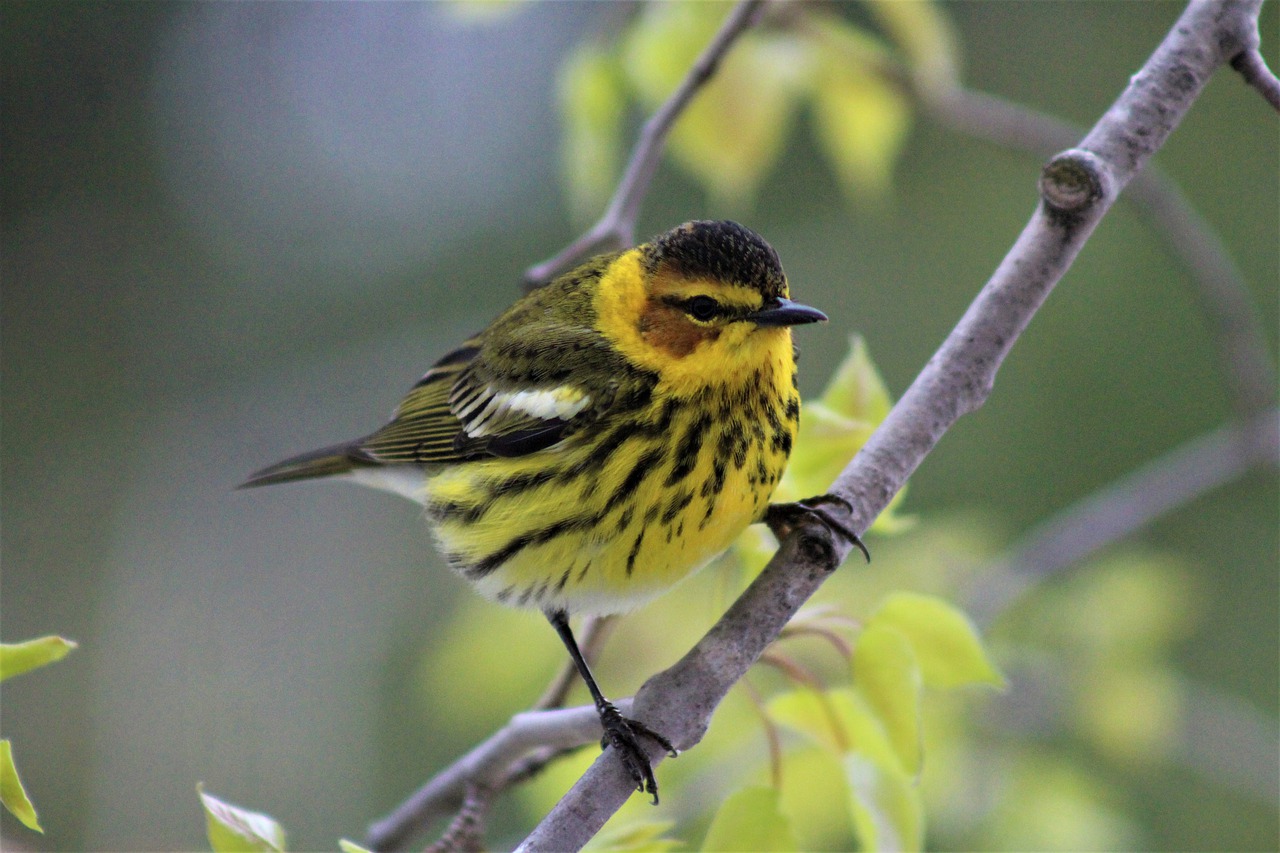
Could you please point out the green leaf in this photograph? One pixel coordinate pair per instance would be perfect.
(17, 658)
(833, 428)
(884, 801)
(351, 847)
(815, 798)
(662, 43)
(887, 675)
(946, 643)
(633, 836)
(1048, 802)
(884, 804)
(1132, 711)
(733, 130)
(750, 820)
(861, 122)
(232, 829)
(812, 714)
(856, 389)
(925, 36)
(591, 105)
(12, 794)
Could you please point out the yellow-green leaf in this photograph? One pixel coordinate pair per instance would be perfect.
(814, 798)
(633, 836)
(12, 794)
(925, 35)
(861, 122)
(663, 42)
(733, 130)
(856, 389)
(750, 820)
(812, 714)
(351, 847)
(884, 804)
(232, 829)
(1133, 712)
(834, 427)
(946, 643)
(17, 658)
(591, 105)
(886, 674)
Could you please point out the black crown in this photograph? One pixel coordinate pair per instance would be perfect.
(722, 250)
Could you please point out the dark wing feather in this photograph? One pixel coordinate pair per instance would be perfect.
(463, 409)
(424, 428)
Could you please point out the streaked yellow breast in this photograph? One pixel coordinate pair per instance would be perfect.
(621, 511)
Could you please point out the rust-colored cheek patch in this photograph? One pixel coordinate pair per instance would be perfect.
(670, 330)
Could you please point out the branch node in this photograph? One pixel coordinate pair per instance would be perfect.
(1074, 181)
(1253, 68)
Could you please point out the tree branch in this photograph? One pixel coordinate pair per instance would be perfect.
(1253, 68)
(487, 765)
(518, 750)
(1125, 506)
(617, 227)
(1224, 298)
(1077, 188)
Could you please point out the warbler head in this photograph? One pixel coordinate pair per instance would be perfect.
(705, 302)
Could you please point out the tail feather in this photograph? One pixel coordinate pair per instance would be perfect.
(325, 462)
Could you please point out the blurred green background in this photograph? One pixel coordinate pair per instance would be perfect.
(232, 232)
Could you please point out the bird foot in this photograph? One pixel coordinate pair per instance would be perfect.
(623, 734)
(783, 518)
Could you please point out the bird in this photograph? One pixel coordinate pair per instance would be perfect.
(606, 436)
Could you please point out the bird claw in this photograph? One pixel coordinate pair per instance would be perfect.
(623, 734)
(783, 518)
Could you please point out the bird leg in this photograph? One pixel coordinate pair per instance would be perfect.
(622, 733)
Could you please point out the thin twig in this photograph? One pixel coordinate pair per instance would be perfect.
(1253, 68)
(488, 764)
(1077, 189)
(1224, 297)
(446, 790)
(466, 832)
(1125, 506)
(617, 227)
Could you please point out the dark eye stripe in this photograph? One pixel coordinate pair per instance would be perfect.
(701, 308)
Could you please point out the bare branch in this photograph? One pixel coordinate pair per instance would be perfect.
(1077, 189)
(466, 832)
(1253, 68)
(487, 765)
(617, 227)
(1125, 506)
(1224, 298)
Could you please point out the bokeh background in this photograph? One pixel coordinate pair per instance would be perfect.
(232, 232)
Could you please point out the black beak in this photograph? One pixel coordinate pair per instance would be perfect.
(784, 312)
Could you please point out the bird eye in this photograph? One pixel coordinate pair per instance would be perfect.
(702, 308)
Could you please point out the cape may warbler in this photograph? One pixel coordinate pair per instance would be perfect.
(606, 436)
